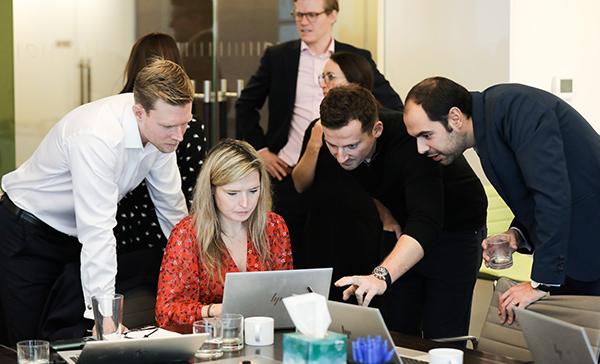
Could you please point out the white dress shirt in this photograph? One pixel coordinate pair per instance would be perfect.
(308, 99)
(88, 161)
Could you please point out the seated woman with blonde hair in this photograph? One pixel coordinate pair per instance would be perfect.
(230, 229)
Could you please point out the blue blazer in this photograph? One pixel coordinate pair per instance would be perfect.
(543, 158)
(276, 79)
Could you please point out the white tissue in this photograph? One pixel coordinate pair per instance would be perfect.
(309, 313)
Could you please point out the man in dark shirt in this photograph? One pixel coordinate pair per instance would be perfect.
(287, 76)
(542, 157)
(434, 262)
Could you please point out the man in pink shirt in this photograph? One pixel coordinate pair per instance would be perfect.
(289, 76)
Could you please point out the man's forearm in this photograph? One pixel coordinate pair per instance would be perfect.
(303, 174)
(406, 253)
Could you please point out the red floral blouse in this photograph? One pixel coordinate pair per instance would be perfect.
(184, 285)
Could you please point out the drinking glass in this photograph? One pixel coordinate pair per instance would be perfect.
(33, 352)
(499, 251)
(212, 347)
(108, 316)
(233, 331)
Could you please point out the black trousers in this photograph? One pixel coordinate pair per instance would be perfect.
(292, 207)
(40, 281)
(433, 299)
(36, 267)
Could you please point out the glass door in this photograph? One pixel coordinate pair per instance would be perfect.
(221, 42)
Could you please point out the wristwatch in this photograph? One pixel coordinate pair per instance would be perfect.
(383, 274)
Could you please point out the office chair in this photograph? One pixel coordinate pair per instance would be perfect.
(508, 340)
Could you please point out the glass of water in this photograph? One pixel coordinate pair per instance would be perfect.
(499, 251)
(33, 352)
(108, 316)
(212, 347)
(233, 331)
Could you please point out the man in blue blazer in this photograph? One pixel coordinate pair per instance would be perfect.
(542, 157)
(289, 75)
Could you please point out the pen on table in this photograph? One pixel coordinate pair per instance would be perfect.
(151, 332)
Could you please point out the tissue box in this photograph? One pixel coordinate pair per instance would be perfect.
(300, 349)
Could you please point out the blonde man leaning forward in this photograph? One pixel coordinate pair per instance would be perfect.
(59, 207)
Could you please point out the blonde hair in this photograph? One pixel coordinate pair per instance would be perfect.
(227, 162)
(329, 6)
(162, 80)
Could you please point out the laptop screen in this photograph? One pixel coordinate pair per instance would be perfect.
(260, 293)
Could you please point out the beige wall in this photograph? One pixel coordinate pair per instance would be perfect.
(465, 40)
(357, 24)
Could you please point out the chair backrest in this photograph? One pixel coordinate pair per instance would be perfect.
(138, 307)
(509, 340)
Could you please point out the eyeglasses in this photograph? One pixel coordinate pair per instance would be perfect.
(140, 333)
(310, 16)
(325, 78)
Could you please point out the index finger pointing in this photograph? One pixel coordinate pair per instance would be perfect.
(345, 281)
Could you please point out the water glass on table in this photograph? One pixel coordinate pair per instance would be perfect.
(212, 346)
(233, 331)
(108, 316)
(499, 251)
(33, 352)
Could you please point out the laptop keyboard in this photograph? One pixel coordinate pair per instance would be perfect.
(75, 358)
(407, 360)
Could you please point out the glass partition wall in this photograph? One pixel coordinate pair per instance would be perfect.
(68, 52)
(221, 43)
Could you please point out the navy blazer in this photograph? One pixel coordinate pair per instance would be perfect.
(543, 158)
(276, 78)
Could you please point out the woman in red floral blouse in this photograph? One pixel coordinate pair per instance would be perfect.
(230, 229)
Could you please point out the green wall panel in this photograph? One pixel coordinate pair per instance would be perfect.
(7, 89)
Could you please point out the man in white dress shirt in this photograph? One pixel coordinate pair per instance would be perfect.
(59, 207)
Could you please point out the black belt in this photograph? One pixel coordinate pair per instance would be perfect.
(27, 216)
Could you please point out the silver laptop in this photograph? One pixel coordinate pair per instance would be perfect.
(554, 341)
(260, 293)
(136, 351)
(356, 321)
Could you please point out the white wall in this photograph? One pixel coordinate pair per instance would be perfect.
(480, 42)
(561, 38)
(465, 40)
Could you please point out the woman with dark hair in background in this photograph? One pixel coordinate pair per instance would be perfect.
(147, 47)
(140, 241)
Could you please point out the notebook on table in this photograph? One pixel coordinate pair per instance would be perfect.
(137, 351)
(555, 341)
(359, 321)
(260, 293)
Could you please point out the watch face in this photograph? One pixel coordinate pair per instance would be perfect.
(380, 271)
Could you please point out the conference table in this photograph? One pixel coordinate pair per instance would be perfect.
(275, 352)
